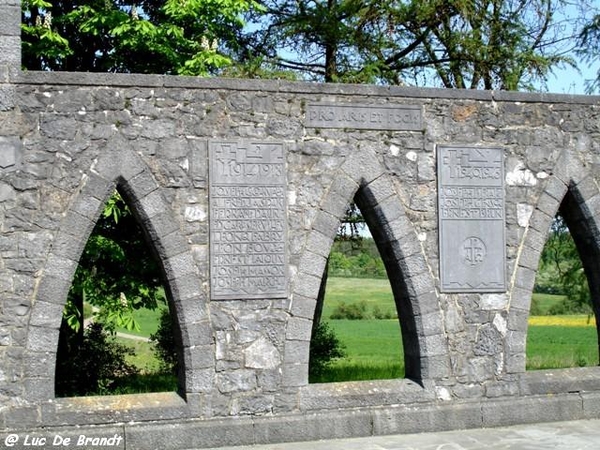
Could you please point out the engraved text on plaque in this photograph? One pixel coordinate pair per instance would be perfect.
(471, 219)
(365, 117)
(247, 220)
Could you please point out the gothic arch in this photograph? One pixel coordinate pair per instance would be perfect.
(121, 167)
(362, 178)
(573, 191)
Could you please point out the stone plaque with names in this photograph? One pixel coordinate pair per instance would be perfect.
(471, 219)
(365, 117)
(247, 220)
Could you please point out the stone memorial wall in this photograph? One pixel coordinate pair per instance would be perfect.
(240, 187)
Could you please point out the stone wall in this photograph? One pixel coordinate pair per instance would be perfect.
(68, 140)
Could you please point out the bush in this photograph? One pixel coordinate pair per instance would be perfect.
(94, 366)
(325, 347)
(165, 347)
(568, 306)
(352, 311)
(536, 308)
(382, 315)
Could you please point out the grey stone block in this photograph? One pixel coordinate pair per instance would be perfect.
(405, 419)
(303, 306)
(532, 409)
(332, 425)
(319, 243)
(363, 169)
(299, 329)
(205, 434)
(312, 264)
(562, 381)
(42, 339)
(307, 285)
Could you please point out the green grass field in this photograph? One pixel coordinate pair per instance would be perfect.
(374, 292)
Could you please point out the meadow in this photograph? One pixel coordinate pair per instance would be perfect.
(373, 347)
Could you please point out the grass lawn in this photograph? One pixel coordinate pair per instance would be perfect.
(546, 301)
(374, 292)
(552, 347)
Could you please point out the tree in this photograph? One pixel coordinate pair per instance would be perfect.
(589, 49)
(187, 37)
(488, 44)
(117, 272)
(561, 271)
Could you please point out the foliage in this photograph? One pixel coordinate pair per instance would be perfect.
(117, 272)
(95, 366)
(165, 347)
(191, 37)
(325, 347)
(490, 44)
(117, 275)
(589, 49)
(561, 272)
(147, 382)
(352, 311)
(356, 259)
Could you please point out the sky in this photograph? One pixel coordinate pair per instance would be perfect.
(570, 81)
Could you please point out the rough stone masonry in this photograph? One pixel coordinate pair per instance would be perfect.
(240, 186)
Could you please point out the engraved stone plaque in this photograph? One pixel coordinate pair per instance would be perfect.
(247, 220)
(471, 219)
(365, 117)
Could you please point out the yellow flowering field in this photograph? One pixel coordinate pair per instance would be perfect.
(563, 321)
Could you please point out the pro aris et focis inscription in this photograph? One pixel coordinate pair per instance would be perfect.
(471, 219)
(247, 220)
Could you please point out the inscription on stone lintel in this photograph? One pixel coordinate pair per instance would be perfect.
(247, 220)
(471, 211)
(365, 117)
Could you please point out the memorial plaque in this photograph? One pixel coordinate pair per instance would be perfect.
(471, 219)
(365, 117)
(247, 220)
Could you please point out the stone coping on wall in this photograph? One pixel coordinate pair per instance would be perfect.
(170, 433)
(290, 87)
(347, 397)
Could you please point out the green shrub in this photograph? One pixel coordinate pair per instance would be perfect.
(96, 365)
(352, 311)
(325, 347)
(536, 308)
(382, 315)
(165, 347)
(569, 306)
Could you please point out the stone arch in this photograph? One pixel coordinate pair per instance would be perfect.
(121, 167)
(572, 191)
(362, 178)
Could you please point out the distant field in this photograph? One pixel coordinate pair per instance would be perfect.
(546, 301)
(375, 292)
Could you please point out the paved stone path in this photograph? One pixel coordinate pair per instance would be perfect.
(576, 435)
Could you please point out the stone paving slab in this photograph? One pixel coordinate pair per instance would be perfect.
(575, 435)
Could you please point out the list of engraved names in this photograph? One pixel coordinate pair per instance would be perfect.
(247, 220)
(471, 219)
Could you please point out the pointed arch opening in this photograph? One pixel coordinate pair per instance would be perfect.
(355, 322)
(421, 352)
(563, 330)
(116, 334)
